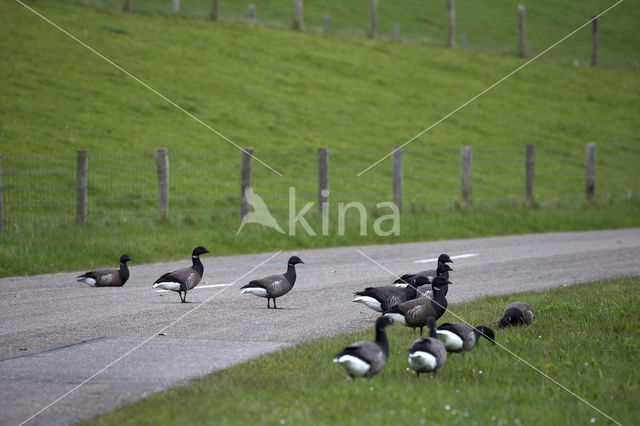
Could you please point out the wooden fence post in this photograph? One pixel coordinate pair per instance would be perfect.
(530, 153)
(326, 23)
(522, 26)
(396, 32)
(397, 177)
(252, 11)
(82, 186)
(245, 180)
(215, 10)
(594, 52)
(591, 171)
(1, 219)
(373, 17)
(451, 8)
(466, 154)
(323, 179)
(175, 5)
(126, 7)
(162, 165)
(298, 15)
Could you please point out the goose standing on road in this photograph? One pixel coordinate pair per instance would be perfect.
(459, 337)
(383, 298)
(108, 277)
(517, 313)
(423, 277)
(415, 313)
(427, 353)
(184, 279)
(274, 286)
(366, 359)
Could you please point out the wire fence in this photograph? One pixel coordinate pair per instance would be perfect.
(40, 191)
(485, 26)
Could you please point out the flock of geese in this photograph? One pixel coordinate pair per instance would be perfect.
(414, 300)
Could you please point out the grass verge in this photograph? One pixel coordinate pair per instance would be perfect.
(585, 337)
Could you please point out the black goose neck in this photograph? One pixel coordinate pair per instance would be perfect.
(124, 272)
(381, 340)
(410, 292)
(290, 275)
(197, 265)
(439, 299)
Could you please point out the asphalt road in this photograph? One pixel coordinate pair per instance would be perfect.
(56, 333)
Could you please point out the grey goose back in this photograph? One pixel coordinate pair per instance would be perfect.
(110, 277)
(423, 277)
(517, 313)
(415, 313)
(383, 298)
(460, 337)
(366, 359)
(184, 279)
(427, 354)
(274, 286)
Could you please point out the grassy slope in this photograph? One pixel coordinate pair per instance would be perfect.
(287, 94)
(585, 337)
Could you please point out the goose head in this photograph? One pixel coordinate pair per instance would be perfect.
(442, 268)
(125, 258)
(439, 282)
(198, 251)
(512, 317)
(444, 258)
(294, 260)
(383, 322)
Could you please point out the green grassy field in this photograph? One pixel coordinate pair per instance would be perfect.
(584, 336)
(287, 94)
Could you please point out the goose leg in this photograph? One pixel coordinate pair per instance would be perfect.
(274, 303)
(268, 303)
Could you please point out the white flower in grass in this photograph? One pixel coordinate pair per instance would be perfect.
(282, 421)
(593, 419)
(447, 407)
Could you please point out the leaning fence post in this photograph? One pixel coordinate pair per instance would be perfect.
(466, 154)
(373, 16)
(452, 23)
(175, 4)
(162, 164)
(530, 153)
(594, 52)
(591, 171)
(252, 11)
(397, 177)
(323, 180)
(245, 180)
(127, 6)
(1, 220)
(522, 26)
(215, 10)
(298, 17)
(82, 185)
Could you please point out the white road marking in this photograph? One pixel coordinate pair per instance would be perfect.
(200, 286)
(435, 259)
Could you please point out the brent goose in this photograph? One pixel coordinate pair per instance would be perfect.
(423, 277)
(427, 353)
(459, 337)
(184, 279)
(415, 313)
(442, 271)
(366, 359)
(274, 286)
(383, 298)
(517, 313)
(108, 277)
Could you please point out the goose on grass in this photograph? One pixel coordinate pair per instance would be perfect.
(110, 277)
(427, 354)
(366, 359)
(383, 298)
(274, 286)
(415, 313)
(184, 279)
(517, 313)
(459, 337)
(423, 277)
